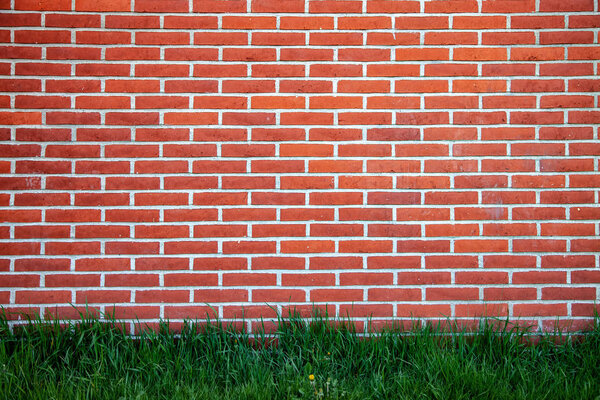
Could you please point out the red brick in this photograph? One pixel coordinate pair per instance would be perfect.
(101, 231)
(575, 5)
(307, 246)
(221, 263)
(424, 278)
(450, 38)
(483, 246)
(132, 22)
(288, 263)
(366, 310)
(220, 38)
(219, 6)
(103, 296)
(311, 279)
(102, 264)
(162, 296)
(278, 295)
(72, 280)
(37, 199)
(537, 54)
(170, 6)
(481, 278)
(278, 198)
(478, 86)
(515, 102)
(480, 54)
(336, 262)
(278, 230)
(162, 231)
(308, 214)
(535, 310)
(482, 310)
(162, 263)
(454, 293)
(538, 277)
(509, 294)
(479, 22)
(336, 39)
(187, 247)
(274, 6)
(419, 246)
(134, 312)
(278, 39)
(329, 102)
(16, 52)
(42, 296)
(364, 54)
(508, 261)
(240, 182)
(43, 5)
(410, 86)
(157, 199)
(20, 118)
(331, 295)
(103, 37)
(510, 229)
(586, 276)
(132, 248)
(579, 213)
(191, 215)
(422, 54)
(21, 280)
(439, 230)
(302, 54)
(124, 85)
(132, 215)
(566, 293)
(536, 213)
(366, 246)
(246, 22)
(72, 248)
(468, 213)
(267, 102)
(585, 309)
(337, 70)
(105, 6)
(243, 247)
(585, 245)
(276, 71)
(508, 38)
(570, 261)
(249, 279)
(423, 310)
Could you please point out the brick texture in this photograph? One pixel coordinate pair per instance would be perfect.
(381, 158)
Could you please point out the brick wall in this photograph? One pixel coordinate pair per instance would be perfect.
(384, 158)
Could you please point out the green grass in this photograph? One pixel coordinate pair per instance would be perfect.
(97, 360)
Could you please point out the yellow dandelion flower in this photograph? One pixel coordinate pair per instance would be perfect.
(311, 377)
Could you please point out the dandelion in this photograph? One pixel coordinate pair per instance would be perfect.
(311, 378)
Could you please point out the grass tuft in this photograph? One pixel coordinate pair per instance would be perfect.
(316, 358)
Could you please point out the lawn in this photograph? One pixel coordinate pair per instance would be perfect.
(96, 360)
